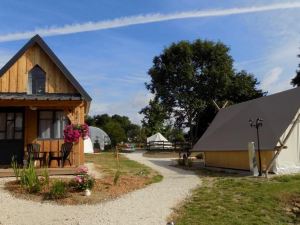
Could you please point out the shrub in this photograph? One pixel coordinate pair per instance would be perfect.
(29, 179)
(180, 162)
(200, 156)
(189, 162)
(83, 180)
(58, 190)
(16, 168)
(45, 176)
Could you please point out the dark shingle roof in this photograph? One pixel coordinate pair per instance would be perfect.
(47, 96)
(230, 130)
(38, 40)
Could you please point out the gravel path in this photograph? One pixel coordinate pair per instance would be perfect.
(148, 206)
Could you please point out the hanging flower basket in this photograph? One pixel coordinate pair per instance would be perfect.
(73, 132)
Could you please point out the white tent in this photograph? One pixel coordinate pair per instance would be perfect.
(157, 137)
(158, 141)
(88, 145)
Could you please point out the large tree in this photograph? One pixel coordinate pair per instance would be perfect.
(189, 76)
(154, 117)
(296, 80)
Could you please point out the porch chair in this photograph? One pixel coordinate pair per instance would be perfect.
(63, 155)
(33, 151)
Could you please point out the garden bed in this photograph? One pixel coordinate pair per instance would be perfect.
(103, 190)
(129, 177)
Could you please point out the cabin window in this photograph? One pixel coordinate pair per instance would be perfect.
(51, 124)
(36, 81)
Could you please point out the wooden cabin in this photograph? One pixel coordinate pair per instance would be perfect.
(38, 97)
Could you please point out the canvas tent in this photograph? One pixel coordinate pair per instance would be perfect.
(88, 145)
(225, 141)
(158, 141)
(99, 138)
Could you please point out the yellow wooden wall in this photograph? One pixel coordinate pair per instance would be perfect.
(53, 145)
(235, 159)
(15, 79)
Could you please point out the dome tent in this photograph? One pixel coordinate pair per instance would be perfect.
(99, 138)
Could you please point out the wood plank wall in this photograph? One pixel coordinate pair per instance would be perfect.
(53, 145)
(15, 79)
(234, 159)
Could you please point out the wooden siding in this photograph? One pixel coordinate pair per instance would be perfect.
(75, 114)
(234, 159)
(15, 79)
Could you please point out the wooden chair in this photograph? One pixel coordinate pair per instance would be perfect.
(63, 155)
(33, 151)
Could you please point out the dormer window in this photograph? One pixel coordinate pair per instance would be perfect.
(36, 81)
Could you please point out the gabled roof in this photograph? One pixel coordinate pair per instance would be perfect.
(39, 41)
(230, 130)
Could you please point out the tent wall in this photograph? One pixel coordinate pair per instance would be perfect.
(289, 158)
(234, 159)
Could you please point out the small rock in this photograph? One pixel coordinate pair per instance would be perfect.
(288, 209)
(296, 209)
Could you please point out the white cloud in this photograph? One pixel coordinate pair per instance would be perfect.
(275, 81)
(143, 19)
(128, 107)
(271, 78)
(4, 57)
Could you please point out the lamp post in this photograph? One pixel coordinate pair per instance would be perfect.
(257, 125)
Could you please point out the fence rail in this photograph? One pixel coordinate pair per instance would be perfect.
(168, 146)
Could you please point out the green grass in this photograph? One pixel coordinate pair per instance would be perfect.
(106, 161)
(236, 200)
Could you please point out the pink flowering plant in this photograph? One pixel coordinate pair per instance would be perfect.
(83, 180)
(73, 132)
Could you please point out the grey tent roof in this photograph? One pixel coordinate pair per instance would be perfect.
(230, 129)
(39, 41)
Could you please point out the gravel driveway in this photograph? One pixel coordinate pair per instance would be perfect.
(148, 206)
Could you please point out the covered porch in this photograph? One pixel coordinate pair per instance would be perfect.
(26, 119)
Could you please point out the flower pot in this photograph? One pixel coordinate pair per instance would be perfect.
(87, 192)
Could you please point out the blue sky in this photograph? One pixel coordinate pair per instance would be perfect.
(112, 63)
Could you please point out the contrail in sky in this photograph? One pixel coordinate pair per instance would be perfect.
(142, 19)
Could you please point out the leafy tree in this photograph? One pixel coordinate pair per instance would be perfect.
(101, 120)
(125, 127)
(174, 134)
(243, 88)
(115, 132)
(89, 121)
(122, 120)
(296, 80)
(154, 117)
(187, 77)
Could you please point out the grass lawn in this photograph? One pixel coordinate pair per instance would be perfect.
(106, 163)
(237, 200)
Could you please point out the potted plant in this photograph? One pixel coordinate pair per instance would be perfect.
(73, 132)
(83, 181)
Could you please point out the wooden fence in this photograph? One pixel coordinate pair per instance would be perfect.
(168, 146)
